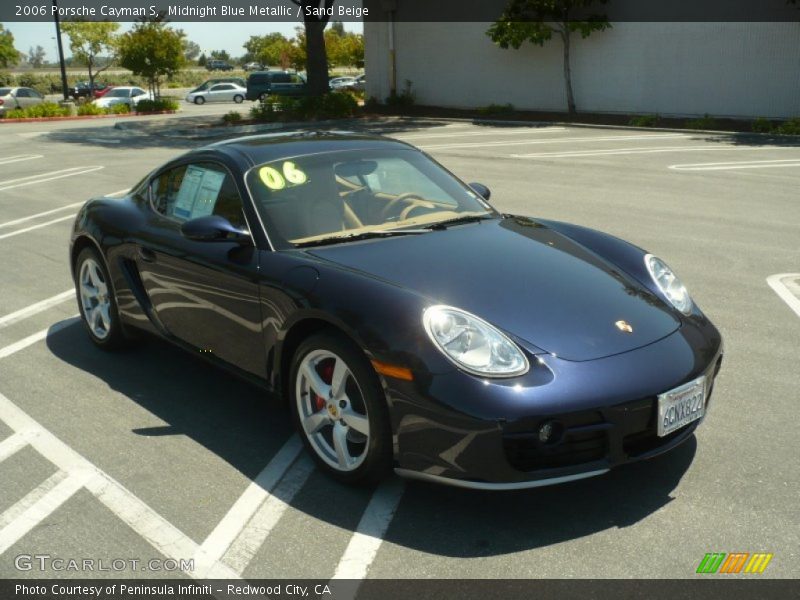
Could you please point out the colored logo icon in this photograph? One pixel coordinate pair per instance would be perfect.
(735, 562)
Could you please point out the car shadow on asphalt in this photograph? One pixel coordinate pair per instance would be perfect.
(246, 426)
(131, 137)
(752, 139)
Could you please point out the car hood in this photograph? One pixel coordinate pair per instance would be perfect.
(528, 280)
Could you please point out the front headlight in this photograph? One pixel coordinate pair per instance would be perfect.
(472, 344)
(669, 284)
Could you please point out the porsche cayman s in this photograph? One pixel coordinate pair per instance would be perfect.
(407, 323)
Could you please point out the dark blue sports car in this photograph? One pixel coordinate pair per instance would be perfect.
(407, 323)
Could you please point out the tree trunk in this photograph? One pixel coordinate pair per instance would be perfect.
(568, 71)
(316, 58)
(91, 79)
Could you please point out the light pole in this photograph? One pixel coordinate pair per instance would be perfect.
(64, 86)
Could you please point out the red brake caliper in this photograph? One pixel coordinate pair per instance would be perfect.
(325, 371)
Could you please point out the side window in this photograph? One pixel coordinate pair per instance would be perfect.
(295, 79)
(281, 78)
(23, 93)
(197, 190)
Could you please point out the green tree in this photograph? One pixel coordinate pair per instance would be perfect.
(8, 54)
(220, 55)
(191, 50)
(270, 49)
(89, 40)
(536, 21)
(36, 57)
(315, 19)
(152, 50)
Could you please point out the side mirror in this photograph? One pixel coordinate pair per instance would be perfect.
(214, 228)
(480, 189)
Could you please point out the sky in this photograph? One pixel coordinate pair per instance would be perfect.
(210, 36)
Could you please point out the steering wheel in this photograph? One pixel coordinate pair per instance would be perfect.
(386, 212)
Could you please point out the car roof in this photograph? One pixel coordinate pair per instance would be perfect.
(264, 148)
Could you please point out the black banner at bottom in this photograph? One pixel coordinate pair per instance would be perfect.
(402, 589)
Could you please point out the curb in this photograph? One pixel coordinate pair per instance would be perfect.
(85, 117)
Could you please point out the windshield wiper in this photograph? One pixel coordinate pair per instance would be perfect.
(355, 237)
(459, 221)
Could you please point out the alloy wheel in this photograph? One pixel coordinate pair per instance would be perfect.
(95, 300)
(332, 410)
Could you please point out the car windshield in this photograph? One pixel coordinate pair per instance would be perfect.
(117, 93)
(347, 194)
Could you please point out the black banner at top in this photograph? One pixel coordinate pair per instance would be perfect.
(442, 11)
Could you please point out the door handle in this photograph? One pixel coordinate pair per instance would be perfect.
(147, 255)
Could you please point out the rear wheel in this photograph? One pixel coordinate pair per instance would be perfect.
(199, 100)
(97, 302)
(238, 99)
(340, 409)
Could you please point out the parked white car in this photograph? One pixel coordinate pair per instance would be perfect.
(220, 92)
(343, 83)
(18, 97)
(123, 95)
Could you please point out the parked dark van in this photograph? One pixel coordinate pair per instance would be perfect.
(263, 83)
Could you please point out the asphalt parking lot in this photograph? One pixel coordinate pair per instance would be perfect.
(151, 455)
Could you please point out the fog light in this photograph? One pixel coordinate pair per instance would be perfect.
(546, 431)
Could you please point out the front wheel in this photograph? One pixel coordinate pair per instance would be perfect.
(98, 306)
(340, 409)
(199, 100)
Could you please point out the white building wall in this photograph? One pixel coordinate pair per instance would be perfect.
(723, 69)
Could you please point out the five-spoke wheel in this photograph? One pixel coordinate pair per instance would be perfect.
(96, 300)
(340, 409)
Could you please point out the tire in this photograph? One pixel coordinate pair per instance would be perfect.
(359, 452)
(199, 100)
(103, 325)
(262, 96)
(238, 98)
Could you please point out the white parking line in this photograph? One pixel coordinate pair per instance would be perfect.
(645, 150)
(19, 158)
(36, 308)
(487, 131)
(367, 538)
(778, 284)
(732, 166)
(232, 524)
(610, 138)
(42, 508)
(41, 214)
(151, 526)
(31, 498)
(45, 213)
(13, 444)
(37, 226)
(36, 337)
(250, 539)
(11, 184)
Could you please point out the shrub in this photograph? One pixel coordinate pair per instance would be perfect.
(232, 118)
(404, 99)
(790, 127)
(91, 109)
(334, 105)
(497, 109)
(706, 122)
(162, 104)
(644, 121)
(6, 78)
(46, 109)
(119, 109)
(761, 125)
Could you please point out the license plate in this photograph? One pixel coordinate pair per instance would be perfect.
(681, 406)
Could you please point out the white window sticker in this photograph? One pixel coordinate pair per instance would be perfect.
(198, 194)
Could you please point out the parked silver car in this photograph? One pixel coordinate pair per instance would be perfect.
(18, 97)
(220, 92)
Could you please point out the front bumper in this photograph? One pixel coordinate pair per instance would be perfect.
(460, 430)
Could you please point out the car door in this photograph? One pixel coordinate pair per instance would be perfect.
(222, 92)
(23, 97)
(203, 293)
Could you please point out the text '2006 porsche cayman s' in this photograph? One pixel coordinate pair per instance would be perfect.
(408, 324)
